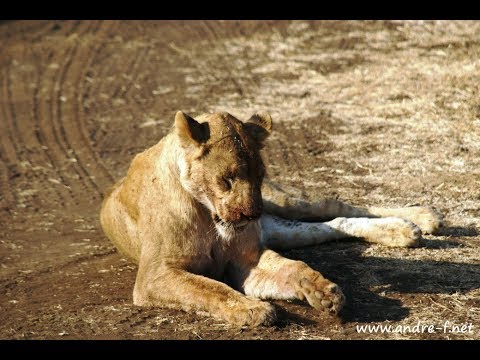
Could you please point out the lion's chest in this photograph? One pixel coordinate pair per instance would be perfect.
(211, 262)
(217, 260)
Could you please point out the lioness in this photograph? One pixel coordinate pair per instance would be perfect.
(190, 213)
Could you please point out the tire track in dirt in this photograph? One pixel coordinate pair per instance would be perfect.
(39, 161)
(94, 86)
(128, 65)
(83, 93)
(48, 129)
(120, 90)
(10, 150)
(7, 199)
(94, 93)
(47, 133)
(17, 119)
(14, 141)
(78, 133)
(64, 192)
(66, 129)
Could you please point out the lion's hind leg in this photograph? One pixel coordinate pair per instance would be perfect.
(280, 203)
(278, 233)
(427, 218)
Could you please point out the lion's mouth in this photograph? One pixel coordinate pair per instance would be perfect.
(237, 226)
(241, 225)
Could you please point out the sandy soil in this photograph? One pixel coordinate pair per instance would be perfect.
(375, 113)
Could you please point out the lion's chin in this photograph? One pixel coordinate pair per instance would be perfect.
(228, 230)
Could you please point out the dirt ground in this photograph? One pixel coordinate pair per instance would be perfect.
(375, 113)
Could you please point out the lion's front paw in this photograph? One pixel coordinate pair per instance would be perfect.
(428, 219)
(252, 313)
(320, 293)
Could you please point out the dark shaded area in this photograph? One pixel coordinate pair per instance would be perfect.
(344, 264)
(458, 231)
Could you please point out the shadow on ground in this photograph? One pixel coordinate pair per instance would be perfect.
(369, 283)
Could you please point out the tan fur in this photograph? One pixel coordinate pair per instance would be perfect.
(189, 213)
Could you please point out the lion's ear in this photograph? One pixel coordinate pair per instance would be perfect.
(191, 131)
(259, 126)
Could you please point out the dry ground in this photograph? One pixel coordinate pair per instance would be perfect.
(375, 113)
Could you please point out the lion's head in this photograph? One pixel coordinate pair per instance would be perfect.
(221, 166)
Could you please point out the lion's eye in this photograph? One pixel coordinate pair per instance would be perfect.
(228, 180)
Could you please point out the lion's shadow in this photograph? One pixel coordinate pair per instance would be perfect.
(371, 283)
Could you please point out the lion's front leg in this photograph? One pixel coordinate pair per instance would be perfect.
(159, 285)
(275, 277)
